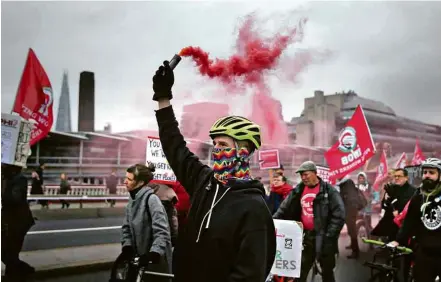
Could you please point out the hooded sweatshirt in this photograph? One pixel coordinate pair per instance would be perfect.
(230, 234)
(423, 220)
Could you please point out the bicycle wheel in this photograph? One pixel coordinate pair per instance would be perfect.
(362, 232)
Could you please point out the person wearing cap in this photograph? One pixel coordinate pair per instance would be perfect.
(229, 234)
(319, 207)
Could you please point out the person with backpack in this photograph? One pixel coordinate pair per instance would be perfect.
(145, 229)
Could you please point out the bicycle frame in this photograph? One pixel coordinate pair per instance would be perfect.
(386, 272)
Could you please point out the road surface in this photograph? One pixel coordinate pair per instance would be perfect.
(53, 234)
(346, 270)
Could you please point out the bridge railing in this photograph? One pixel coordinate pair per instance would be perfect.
(80, 190)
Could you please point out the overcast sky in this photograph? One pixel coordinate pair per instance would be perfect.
(384, 51)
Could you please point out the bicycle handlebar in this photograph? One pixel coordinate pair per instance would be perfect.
(379, 243)
(135, 262)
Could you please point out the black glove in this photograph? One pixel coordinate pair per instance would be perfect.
(150, 258)
(163, 81)
(127, 253)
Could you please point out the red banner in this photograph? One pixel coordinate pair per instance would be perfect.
(418, 156)
(269, 159)
(382, 170)
(353, 147)
(34, 99)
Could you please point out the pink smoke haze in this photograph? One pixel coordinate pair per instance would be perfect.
(255, 58)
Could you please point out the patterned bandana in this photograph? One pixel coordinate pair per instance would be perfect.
(228, 163)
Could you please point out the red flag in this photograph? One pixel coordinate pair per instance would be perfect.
(353, 148)
(35, 98)
(418, 156)
(382, 170)
(402, 161)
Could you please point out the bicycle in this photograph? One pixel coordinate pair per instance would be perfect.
(132, 271)
(387, 272)
(363, 229)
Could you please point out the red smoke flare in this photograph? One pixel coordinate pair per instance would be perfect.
(254, 58)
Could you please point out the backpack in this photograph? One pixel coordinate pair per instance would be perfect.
(171, 215)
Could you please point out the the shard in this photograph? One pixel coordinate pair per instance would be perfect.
(64, 123)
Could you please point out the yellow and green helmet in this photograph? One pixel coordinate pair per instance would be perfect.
(238, 128)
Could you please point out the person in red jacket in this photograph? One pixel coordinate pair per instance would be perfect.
(183, 205)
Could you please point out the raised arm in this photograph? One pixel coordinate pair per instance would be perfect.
(188, 169)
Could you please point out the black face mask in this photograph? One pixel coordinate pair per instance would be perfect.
(428, 185)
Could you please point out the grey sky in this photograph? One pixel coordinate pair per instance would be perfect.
(385, 51)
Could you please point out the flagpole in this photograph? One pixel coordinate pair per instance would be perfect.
(21, 78)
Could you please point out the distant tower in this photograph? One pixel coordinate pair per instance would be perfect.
(86, 102)
(64, 123)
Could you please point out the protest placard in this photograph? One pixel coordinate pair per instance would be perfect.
(269, 159)
(289, 237)
(155, 155)
(16, 134)
(323, 173)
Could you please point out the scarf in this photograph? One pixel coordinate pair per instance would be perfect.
(229, 163)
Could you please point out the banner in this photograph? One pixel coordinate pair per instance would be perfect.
(34, 99)
(155, 155)
(418, 156)
(402, 161)
(269, 159)
(289, 237)
(382, 171)
(16, 134)
(353, 147)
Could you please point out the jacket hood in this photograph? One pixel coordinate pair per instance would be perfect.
(246, 186)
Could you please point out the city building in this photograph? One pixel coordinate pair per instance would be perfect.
(64, 122)
(325, 115)
(86, 102)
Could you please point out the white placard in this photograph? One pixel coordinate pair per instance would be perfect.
(323, 173)
(16, 134)
(155, 155)
(289, 237)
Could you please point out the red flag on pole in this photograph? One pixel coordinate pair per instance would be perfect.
(418, 156)
(382, 170)
(34, 99)
(402, 161)
(353, 147)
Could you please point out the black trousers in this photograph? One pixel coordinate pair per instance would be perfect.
(426, 267)
(326, 261)
(12, 242)
(351, 224)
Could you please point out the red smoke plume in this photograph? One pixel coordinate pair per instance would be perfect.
(255, 56)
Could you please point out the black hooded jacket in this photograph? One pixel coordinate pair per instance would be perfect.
(236, 241)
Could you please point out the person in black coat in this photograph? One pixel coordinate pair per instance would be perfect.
(395, 199)
(111, 184)
(16, 220)
(229, 234)
(351, 198)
